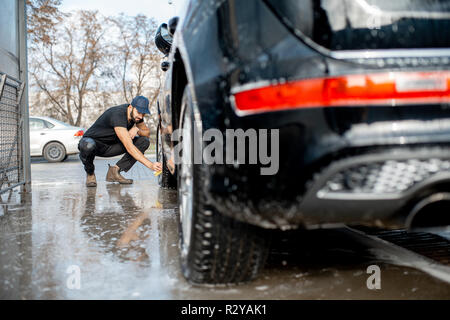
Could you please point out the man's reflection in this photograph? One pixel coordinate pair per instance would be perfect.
(117, 225)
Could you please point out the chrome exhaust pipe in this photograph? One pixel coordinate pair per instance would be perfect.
(430, 213)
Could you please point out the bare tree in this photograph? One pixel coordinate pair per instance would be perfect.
(42, 18)
(135, 53)
(63, 66)
(135, 64)
(81, 63)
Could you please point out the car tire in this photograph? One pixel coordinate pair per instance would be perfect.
(54, 152)
(165, 180)
(215, 249)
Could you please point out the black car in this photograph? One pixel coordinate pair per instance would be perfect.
(354, 98)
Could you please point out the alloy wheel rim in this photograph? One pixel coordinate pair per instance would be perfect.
(54, 152)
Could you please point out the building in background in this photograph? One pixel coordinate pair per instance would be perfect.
(14, 130)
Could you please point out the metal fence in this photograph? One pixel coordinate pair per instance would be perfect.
(11, 131)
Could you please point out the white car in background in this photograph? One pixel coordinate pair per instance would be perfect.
(53, 139)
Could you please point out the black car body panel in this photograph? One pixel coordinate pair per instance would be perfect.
(221, 47)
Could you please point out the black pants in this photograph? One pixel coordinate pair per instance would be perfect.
(89, 148)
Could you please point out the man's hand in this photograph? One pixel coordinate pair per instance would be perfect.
(133, 132)
(156, 166)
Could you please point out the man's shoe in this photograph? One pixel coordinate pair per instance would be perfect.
(114, 175)
(91, 181)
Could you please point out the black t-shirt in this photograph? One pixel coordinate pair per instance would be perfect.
(103, 129)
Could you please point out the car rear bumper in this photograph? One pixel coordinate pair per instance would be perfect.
(72, 146)
(371, 174)
(374, 189)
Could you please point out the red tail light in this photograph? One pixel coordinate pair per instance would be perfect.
(79, 133)
(394, 88)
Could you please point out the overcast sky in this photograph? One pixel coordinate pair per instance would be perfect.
(161, 10)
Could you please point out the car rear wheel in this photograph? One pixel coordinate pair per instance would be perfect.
(54, 152)
(214, 249)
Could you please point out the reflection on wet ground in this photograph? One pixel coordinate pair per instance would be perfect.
(124, 239)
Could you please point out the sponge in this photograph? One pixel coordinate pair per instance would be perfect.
(157, 173)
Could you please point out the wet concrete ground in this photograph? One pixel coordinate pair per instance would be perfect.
(124, 240)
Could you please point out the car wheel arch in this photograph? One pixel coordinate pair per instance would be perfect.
(183, 74)
(179, 82)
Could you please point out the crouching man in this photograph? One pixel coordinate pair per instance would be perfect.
(119, 130)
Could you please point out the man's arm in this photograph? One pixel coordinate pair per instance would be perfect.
(124, 137)
(144, 131)
(140, 129)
